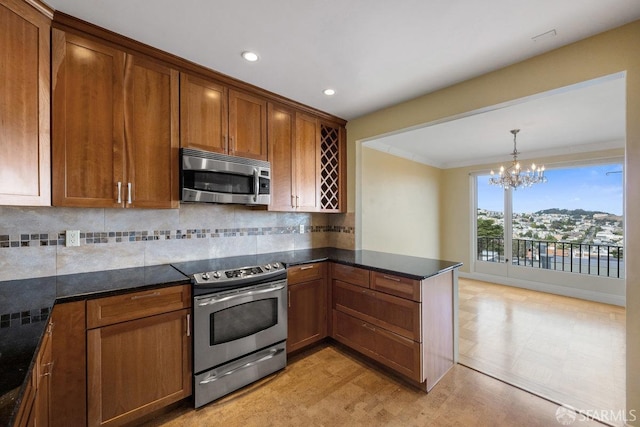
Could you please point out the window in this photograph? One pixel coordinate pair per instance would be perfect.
(572, 223)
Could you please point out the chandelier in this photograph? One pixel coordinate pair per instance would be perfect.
(514, 176)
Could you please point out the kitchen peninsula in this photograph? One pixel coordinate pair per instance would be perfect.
(402, 284)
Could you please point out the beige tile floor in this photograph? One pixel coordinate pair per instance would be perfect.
(568, 350)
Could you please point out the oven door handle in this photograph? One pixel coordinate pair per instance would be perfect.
(271, 354)
(215, 300)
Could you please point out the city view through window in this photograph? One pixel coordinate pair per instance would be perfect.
(572, 223)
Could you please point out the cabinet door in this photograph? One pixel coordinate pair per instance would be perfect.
(282, 127)
(151, 134)
(43, 369)
(69, 376)
(137, 367)
(24, 106)
(88, 130)
(203, 114)
(307, 155)
(247, 126)
(307, 322)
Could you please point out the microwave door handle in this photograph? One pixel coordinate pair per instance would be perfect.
(256, 184)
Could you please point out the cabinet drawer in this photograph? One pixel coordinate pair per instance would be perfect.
(354, 275)
(120, 308)
(395, 314)
(354, 300)
(354, 332)
(396, 285)
(304, 273)
(398, 353)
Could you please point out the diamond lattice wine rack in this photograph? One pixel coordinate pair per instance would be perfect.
(330, 169)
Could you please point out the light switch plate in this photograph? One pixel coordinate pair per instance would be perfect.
(72, 237)
(301, 228)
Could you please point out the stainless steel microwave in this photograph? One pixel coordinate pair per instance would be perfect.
(218, 178)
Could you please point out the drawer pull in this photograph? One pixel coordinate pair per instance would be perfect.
(153, 294)
(308, 267)
(371, 328)
(395, 279)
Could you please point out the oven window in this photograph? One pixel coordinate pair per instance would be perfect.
(243, 320)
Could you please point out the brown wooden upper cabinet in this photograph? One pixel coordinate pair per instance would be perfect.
(216, 118)
(115, 127)
(307, 156)
(25, 164)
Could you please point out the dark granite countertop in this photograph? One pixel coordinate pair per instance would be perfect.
(401, 265)
(25, 305)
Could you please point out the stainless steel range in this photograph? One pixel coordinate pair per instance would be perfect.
(239, 327)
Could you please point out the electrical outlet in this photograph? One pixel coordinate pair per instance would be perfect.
(301, 228)
(73, 237)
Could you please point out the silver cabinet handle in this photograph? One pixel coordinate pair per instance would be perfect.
(119, 192)
(271, 354)
(153, 294)
(297, 198)
(395, 279)
(128, 192)
(309, 267)
(49, 370)
(188, 325)
(214, 300)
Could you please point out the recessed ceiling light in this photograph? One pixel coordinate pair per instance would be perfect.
(329, 92)
(250, 56)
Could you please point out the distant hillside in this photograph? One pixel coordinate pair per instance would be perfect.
(575, 213)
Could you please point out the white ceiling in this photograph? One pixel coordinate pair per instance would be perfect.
(374, 53)
(589, 116)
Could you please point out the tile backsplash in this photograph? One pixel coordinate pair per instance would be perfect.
(32, 240)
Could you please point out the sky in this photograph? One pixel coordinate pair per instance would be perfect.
(584, 187)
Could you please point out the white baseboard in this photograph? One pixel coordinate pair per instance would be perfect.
(549, 288)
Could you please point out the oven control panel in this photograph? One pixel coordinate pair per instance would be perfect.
(239, 275)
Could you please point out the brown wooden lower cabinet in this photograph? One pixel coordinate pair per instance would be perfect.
(138, 366)
(134, 359)
(36, 402)
(402, 323)
(69, 375)
(398, 353)
(307, 305)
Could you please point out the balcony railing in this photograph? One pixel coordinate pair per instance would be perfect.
(584, 258)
